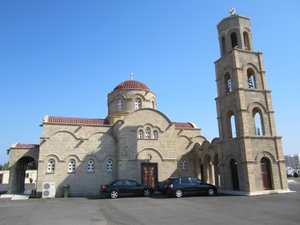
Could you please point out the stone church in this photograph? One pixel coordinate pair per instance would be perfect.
(137, 141)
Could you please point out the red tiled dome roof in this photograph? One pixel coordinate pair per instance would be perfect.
(132, 84)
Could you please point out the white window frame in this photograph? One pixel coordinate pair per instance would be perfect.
(141, 134)
(109, 165)
(155, 134)
(148, 132)
(51, 166)
(71, 166)
(183, 164)
(138, 103)
(119, 105)
(90, 165)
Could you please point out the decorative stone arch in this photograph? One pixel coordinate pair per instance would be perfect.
(20, 156)
(266, 163)
(234, 38)
(231, 124)
(206, 146)
(138, 95)
(148, 157)
(73, 156)
(64, 131)
(93, 157)
(214, 144)
(103, 134)
(259, 120)
(54, 156)
(118, 96)
(267, 154)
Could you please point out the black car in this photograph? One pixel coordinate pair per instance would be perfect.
(188, 186)
(125, 187)
(160, 187)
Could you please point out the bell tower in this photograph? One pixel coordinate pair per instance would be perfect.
(250, 151)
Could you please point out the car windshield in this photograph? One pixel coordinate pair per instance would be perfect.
(169, 181)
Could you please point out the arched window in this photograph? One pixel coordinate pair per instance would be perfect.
(155, 134)
(109, 165)
(153, 104)
(223, 43)
(232, 126)
(71, 166)
(257, 122)
(246, 41)
(138, 103)
(250, 77)
(51, 166)
(148, 132)
(90, 166)
(234, 41)
(119, 105)
(141, 134)
(228, 82)
(183, 164)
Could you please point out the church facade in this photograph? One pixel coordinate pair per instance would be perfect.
(137, 141)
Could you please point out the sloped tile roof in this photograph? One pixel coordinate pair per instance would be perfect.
(19, 145)
(79, 121)
(184, 125)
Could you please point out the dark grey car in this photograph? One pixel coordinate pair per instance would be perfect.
(181, 186)
(125, 187)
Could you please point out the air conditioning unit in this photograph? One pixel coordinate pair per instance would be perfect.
(48, 190)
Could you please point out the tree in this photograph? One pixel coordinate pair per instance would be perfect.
(5, 166)
(31, 165)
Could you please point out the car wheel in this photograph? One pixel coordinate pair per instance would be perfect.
(178, 193)
(114, 194)
(147, 193)
(210, 191)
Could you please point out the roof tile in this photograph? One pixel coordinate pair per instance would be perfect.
(80, 121)
(183, 125)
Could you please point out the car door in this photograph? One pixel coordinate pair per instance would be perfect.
(198, 185)
(187, 186)
(134, 187)
(202, 187)
(120, 186)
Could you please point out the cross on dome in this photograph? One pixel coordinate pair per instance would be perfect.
(232, 11)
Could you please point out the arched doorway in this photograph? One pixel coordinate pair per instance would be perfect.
(266, 173)
(201, 172)
(234, 175)
(17, 173)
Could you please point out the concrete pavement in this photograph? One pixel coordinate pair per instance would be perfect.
(158, 209)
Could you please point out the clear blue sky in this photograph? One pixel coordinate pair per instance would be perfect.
(62, 58)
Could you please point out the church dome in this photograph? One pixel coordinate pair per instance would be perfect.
(131, 84)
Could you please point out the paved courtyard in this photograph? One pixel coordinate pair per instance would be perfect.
(158, 209)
